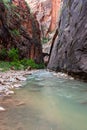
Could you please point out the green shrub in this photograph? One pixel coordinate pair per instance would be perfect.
(4, 65)
(25, 63)
(20, 64)
(17, 65)
(6, 3)
(31, 63)
(18, 15)
(3, 54)
(15, 32)
(44, 40)
(13, 54)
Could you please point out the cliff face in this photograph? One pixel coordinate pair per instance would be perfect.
(69, 52)
(42, 12)
(19, 29)
(55, 14)
(46, 13)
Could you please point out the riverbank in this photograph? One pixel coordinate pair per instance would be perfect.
(9, 80)
(15, 79)
(47, 101)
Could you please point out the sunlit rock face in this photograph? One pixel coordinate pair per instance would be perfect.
(69, 52)
(46, 13)
(55, 14)
(42, 12)
(19, 29)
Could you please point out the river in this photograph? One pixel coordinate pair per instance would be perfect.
(47, 103)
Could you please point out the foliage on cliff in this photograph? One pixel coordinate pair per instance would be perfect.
(20, 30)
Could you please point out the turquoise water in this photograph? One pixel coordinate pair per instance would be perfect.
(50, 103)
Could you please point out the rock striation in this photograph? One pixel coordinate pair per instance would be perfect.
(69, 51)
(20, 29)
(42, 11)
(46, 13)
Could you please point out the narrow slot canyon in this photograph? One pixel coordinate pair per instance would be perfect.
(43, 65)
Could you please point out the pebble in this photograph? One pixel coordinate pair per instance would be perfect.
(9, 92)
(2, 108)
(12, 80)
(17, 85)
(63, 75)
(21, 78)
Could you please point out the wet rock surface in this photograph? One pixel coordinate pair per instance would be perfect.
(69, 51)
(9, 81)
(12, 79)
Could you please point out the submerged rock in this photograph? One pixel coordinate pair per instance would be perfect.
(17, 85)
(21, 78)
(20, 104)
(63, 75)
(9, 92)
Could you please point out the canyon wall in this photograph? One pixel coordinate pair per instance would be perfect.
(55, 14)
(69, 52)
(19, 29)
(46, 13)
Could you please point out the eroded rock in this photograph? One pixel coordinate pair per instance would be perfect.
(69, 51)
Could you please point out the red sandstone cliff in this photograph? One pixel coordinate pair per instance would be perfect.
(55, 14)
(19, 29)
